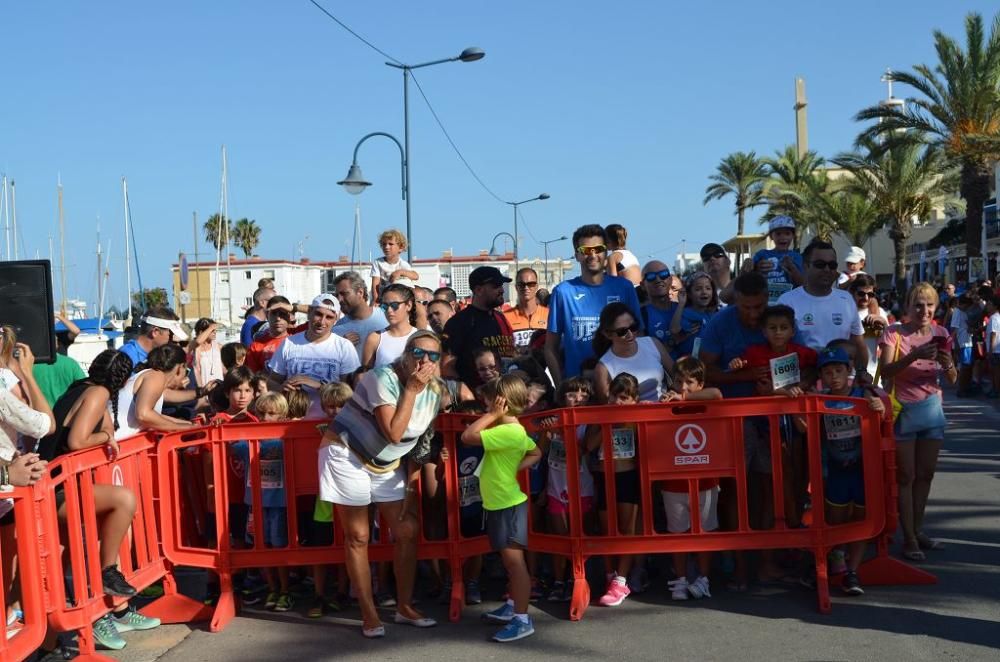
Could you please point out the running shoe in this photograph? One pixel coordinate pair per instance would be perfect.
(561, 592)
(678, 589)
(699, 588)
(536, 590)
(473, 596)
(133, 620)
(838, 562)
(618, 590)
(284, 603)
(516, 629)
(272, 600)
(851, 585)
(317, 607)
(106, 634)
(445, 597)
(115, 584)
(502, 614)
(808, 578)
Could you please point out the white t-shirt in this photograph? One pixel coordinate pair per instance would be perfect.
(994, 328)
(628, 259)
(382, 269)
(821, 320)
(644, 365)
(326, 361)
(960, 325)
(871, 341)
(128, 419)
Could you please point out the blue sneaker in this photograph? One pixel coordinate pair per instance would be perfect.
(503, 614)
(516, 629)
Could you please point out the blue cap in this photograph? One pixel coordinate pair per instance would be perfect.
(833, 355)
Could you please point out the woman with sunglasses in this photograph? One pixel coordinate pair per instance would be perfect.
(696, 304)
(384, 347)
(620, 349)
(360, 460)
(873, 318)
(280, 323)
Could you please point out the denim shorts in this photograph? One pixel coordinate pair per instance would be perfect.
(508, 526)
(275, 526)
(965, 356)
(923, 419)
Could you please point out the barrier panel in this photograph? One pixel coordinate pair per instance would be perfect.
(22, 637)
(70, 571)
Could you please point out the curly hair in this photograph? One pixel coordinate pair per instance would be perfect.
(111, 369)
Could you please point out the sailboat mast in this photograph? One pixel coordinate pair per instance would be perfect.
(5, 210)
(62, 250)
(100, 279)
(197, 278)
(13, 209)
(225, 228)
(128, 258)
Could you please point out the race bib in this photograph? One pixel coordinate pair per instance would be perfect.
(839, 426)
(557, 454)
(623, 442)
(697, 347)
(785, 371)
(468, 491)
(775, 289)
(272, 474)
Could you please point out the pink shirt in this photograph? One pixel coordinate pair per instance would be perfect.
(918, 380)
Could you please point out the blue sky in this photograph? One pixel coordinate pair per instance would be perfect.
(619, 112)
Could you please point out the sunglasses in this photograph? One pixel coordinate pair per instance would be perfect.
(864, 295)
(280, 314)
(419, 353)
(657, 275)
(820, 264)
(423, 302)
(527, 286)
(625, 330)
(592, 250)
(716, 256)
(391, 304)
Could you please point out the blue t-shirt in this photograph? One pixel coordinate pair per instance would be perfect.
(727, 337)
(246, 331)
(657, 321)
(134, 351)
(375, 322)
(778, 281)
(575, 311)
(272, 472)
(691, 318)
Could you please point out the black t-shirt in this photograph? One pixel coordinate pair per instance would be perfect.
(472, 328)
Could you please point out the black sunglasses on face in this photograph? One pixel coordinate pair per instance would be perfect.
(625, 330)
(419, 353)
(423, 302)
(716, 256)
(864, 295)
(657, 275)
(391, 304)
(820, 264)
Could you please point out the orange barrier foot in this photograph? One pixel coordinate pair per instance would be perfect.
(581, 591)
(88, 647)
(889, 571)
(177, 608)
(225, 611)
(457, 602)
(822, 582)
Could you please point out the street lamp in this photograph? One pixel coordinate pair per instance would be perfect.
(355, 183)
(545, 245)
(543, 196)
(493, 244)
(468, 55)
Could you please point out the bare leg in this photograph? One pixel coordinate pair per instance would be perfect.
(627, 513)
(905, 474)
(354, 520)
(517, 573)
(405, 530)
(926, 464)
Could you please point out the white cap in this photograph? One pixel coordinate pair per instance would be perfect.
(779, 222)
(173, 326)
(403, 280)
(327, 301)
(855, 255)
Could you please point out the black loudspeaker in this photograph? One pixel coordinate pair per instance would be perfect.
(26, 305)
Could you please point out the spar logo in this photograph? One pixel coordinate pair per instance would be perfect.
(117, 477)
(690, 439)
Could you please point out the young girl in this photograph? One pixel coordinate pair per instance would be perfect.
(696, 304)
(621, 261)
(573, 392)
(391, 268)
(624, 391)
(204, 353)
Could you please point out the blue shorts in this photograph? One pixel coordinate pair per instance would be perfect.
(923, 419)
(845, 486)
(965, 356)
(275, 527)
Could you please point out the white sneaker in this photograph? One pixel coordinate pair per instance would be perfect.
(699, 588)
(678, 589)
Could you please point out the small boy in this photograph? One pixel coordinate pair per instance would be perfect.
(233, 355)
(841, 443)
(391, 268)
(507, 450)
(782, 265)
(298, 404)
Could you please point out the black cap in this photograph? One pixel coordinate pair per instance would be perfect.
(708, 250)
(483, 275)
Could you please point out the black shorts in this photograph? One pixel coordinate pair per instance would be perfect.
(508, 526)
(626, 488)
(473, 526)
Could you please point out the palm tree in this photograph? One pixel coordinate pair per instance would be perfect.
(791, 179)
(742, 175)
(903, 183)
(246, 235)
(958, 113)
(217, 233)
(852, 215)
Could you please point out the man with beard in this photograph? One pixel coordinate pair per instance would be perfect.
(359, 319)
(307, 360)
(575, 306)
(480, 324)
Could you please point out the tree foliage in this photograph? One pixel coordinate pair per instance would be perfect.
(217, 233)
(246, 235)
(742, 176)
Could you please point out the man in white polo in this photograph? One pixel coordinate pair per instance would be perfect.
(314, 357)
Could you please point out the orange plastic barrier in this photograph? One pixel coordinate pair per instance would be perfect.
(22, 638)
(72, 547)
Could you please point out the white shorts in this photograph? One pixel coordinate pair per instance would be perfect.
(344, 480)
(678, 509)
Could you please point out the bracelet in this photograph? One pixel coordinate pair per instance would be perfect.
(4, 476)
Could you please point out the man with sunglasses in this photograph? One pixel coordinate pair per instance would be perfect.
(715, 261)
(823, 312)
(158, 326)
(529, 315)
(576, 304)
(480, 324)
(358, 318)
(280, 320)
(307, 360)
(659, 310)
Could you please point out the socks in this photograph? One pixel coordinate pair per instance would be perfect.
(510, 602)
(521, 617)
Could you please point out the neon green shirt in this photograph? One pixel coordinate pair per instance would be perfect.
(504, 447)
(54, 379)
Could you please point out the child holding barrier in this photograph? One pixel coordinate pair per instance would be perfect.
(507, 450)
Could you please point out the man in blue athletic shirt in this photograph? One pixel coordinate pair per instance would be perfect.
(576, 304)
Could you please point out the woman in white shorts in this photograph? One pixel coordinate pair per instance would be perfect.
(359, 464)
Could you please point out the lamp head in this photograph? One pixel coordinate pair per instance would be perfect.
(472, 54)
(544, 196)
(354, 183)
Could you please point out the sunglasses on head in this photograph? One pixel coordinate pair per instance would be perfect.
(657, 275)
(385, 306)
(592, 250)
(419, 353)
(633, 328)
(821, 264)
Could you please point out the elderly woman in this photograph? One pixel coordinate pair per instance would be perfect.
(360, 463)
(915, 356)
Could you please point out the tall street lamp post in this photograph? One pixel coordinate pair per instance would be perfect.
(543, 196)
(545, 244)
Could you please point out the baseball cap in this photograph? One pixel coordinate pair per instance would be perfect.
(708, 250)
(833, 355)
(173, 326)
(855, 255)
(483, 275)
(779, 222)
(327, 301)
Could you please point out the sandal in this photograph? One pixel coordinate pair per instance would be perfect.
(376, 632)
(927, 543)
(914, 555)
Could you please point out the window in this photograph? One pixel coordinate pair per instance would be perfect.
(248, 275)
(248, 301)
(223, 277)
(268, 273)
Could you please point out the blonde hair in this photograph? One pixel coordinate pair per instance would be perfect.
(334, 394)
(395, 235)
(511, 388)
(922, 288)
(272, 403)
(8, 338)
(436, 385)
(298, 403)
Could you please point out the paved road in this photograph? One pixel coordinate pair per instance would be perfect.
(959, 618)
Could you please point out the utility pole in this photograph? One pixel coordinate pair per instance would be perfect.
(62, 250)
(197, 275)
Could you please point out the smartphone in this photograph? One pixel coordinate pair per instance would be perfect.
(941, 342)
